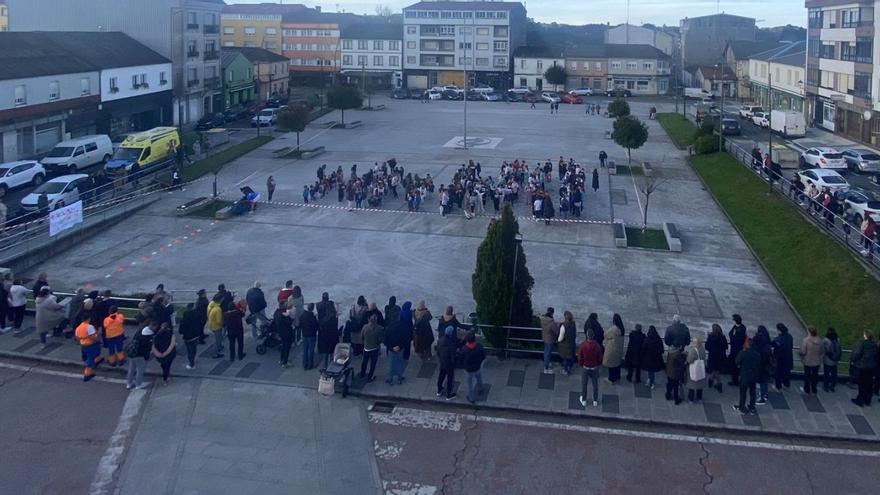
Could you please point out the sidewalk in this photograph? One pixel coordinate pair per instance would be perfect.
(519, 384)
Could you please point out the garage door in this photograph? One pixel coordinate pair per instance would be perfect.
(417, 82)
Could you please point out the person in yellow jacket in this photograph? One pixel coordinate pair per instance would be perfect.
(114, 337)
(90, 345)
(215, 323)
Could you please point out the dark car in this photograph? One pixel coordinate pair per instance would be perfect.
(473, 95)
(513, 97)
(449, 94)
(730, 127)
(237, 112)
(618, 92)
(211, 121)
(276, 101)
(401, 94)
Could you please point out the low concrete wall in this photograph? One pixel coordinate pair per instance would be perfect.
(673, 238)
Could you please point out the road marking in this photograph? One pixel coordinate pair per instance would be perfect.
(115, 453)
(407, 488)
(246, 178)
(417, 418)
(65, 374)
(388, 450)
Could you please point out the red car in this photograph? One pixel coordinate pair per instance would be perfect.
(530, 98)
(572, 99)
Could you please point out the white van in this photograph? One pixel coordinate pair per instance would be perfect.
(789, 123)
(266, 117)
(67, 157)
(698, 93)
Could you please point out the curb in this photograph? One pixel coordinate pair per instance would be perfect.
(705, 428)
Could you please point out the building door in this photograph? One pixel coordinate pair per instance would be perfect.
(539, 83)
(829, 114)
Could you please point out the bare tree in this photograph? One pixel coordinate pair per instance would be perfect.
(647, 188)
(383, 11)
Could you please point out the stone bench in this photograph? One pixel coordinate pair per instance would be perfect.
(673, 238)
(307, 154)
(648, 169)
(352, 125)
(281, 153)
(223, 213)
(190, 205)
(619, 234)
(612, 167)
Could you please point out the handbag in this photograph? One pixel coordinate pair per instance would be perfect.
(326, 386)
(697, 370)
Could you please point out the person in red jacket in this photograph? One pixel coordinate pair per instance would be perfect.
(589, 357)
(285, 293)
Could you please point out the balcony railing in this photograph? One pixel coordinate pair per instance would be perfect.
(192, 82)
(212, 83)
(213, 55)
(211, 29)
(192, 54)
(192, 26)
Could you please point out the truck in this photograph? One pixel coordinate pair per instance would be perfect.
(789, 123)
(698, 93)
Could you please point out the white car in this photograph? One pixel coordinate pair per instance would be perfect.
(483, 88)
(450, 87)
(60, 191)
(823, 158)
(581, 92)
(21, 173)
(489, 96)
(434, 94)
(266, 117)
(823, 178)
(550, 97)
(858, 203)
(760, 119)
(746, 111)
(520, 90)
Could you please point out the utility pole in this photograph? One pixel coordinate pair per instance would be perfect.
(721, 117)
(769, 120)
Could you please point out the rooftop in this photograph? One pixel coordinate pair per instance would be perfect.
(373, 31)
(743, 49)
(633, 51)
(473, 5)
(537, 52)
(263, 8)
(711, 72)
(785, 53)
(255, 55)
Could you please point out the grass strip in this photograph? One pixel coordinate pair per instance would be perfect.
(650, 238)
(216, 161)
(679, 129)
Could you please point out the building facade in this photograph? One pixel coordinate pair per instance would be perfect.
(717, 80)
(841, 80)
(58, 85)
(310, 41)
(444, 40)
(627, 34)
(372, 55)
(587, 67)
(776, 77)
(271, 77)
(255, 25)
(737, 55)
(641, 69)
(238, 79)
(4, 16)
(703, 38)
(185, 31)
(529, 65)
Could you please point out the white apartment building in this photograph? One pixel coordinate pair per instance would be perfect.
(776, 77)
(641, 69)
(529, 65)
(443, 40)
(372, 55)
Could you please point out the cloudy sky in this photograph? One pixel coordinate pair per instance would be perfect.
(669, 12)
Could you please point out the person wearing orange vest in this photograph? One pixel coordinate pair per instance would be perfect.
(114, 337)
(90, 345)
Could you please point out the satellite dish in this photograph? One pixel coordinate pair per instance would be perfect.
(867, 115)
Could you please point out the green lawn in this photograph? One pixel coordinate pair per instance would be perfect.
(821, 279)
(221, 158)
(650, 238)
(679, 129)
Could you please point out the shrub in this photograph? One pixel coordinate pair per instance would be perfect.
(618, 108)
(704, 145)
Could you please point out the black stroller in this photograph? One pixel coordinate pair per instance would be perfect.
(267, 338)
(338, 371)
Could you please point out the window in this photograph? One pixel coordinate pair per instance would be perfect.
(499, 46)
(826, 50)
(142, 80)
(573, 66)
(250, 31)
(438, 30)
(363, 45)
(85, 86)
(228, 44)
(410, 60)
(864, 50)
(662, 85)
(482, 61)
(193, 76)
(615, 65)
(814, 18)
(632, 65)
(540, 65)
(641, 85)
(228, 30)
(393, 45)
(597, 84)
(192, 20)
(378, 60)
(114, 84)
(191, 49)
(411, 45)
(464, 46)
(522, 63)
(230, 75)
(482, 31)
(210, 19)
(466, 30)
(411, 30)
(849, 18)
(270, 31)
(648, 66)
(269, 46)
(500, 31)
(862, 85)
(597, 66)
(162, 79)
(394, 61)
(54, 91)
(500, 61)
(134, 82)
(362, 60)
(346, 44)
(523, 82)
(378, 45)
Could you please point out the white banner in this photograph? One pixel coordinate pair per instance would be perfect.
(65, 218)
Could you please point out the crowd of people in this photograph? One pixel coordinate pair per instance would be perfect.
(754, 360)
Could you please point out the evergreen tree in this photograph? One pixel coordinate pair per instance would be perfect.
(344, 98)
(293, 119)
(630, 133)
(618, 108)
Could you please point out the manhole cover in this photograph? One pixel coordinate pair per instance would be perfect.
(383, 407)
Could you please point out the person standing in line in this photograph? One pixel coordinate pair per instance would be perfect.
(328, 327)
(565, 344)
(783, 354)
(392, 310)
(373, 335)
(49, 314)
(811, 353)
(677, 334)
(695, 357)
(473, 356)
(296, 304)
(603, 159)
(593, 324)
(90, 346)
(830, 359)
(235, 329)
(423, 338)
(308, 324)
(716, 350)
(590, 360)
(17, 304)
(398, 339)
(764, 346)
(651, 355)
(270, 187)
(549, 334)
(633, 358)
(285, 293)
(737, 340)
(114, 336)
(140, 347)
(284, 326)
(613, 355)
(256, 304)
(446, 350)
(191, 331)
(675, 370)
(748, 361)
(201, 310)
(215, 324)
(864, 358)
(40, 283)
(165, 350)
(595, 181)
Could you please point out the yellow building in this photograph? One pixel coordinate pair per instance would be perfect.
(4, 16)
(255, 25)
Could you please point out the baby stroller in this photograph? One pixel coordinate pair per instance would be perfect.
(267, 338)
(337, 371)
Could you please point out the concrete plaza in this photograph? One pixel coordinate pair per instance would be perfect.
(425, 256)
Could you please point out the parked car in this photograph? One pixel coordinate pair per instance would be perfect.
(266, 117)
(472, 95)
(489, 96)
(862, 160)
(730, 127)
(746, 111)
(581, 92)
(450, 87)
(550, 97)
(483, 88)
(61, 191)
(401, 94)
(211, 121)
(236, 112)
(449, 94)
(857, 203)
(520, 90)
(822, 157)
(618, 93)
(434, 94)
(76, 154)
(760, 119)
(276, 101)
(21, 173)
(514, 97)
(824, 178)
(698, 93)
(530, 98)
(572, 99)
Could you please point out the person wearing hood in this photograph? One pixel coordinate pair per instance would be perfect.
(651, 355)
(215, 323)
(423, 334)
(328, 334)
(596, 179)
(549, 334)
(137, 360)
(633, 358)
(565, 344)
(716, 351)
(473, 356)
(398, 340)
(446, 350)
(783, 351)
(392, 310)
(373, 335)
(593, 324)
(256, 304)
(191, 332)
(50, 314)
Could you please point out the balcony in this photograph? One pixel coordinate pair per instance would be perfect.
(211, 29)
(212, 55)
(192, 27)
(212, 83)
(192, 54)
(192, 82)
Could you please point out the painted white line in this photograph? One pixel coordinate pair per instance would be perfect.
(388, 450)
(636, 189)
(65, 374)
(417, 418)
(246, 178)
(112, 459)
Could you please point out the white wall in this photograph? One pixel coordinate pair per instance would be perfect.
(123, 75)
(386, 53)
(37, 88)
(759, 70)
(527, 67)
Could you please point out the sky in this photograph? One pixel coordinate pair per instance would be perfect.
(669, 12)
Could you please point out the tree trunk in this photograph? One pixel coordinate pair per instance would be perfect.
(343, 116)
(629, 157)
(645, 215)
(297, 140)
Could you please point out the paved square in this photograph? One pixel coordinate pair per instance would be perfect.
(479, 143)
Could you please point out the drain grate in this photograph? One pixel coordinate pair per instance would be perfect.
(383, 407)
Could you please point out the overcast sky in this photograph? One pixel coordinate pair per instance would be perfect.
(669, 12)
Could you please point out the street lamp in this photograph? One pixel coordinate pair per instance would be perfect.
(517, 244)
(720, 67)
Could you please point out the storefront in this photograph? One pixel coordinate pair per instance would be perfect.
(858, 124)
(781, 100)
(135, 114)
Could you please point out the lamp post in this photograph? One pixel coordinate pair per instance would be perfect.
(517, 243)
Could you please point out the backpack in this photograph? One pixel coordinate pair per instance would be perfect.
(131, 347)
(835, 352)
